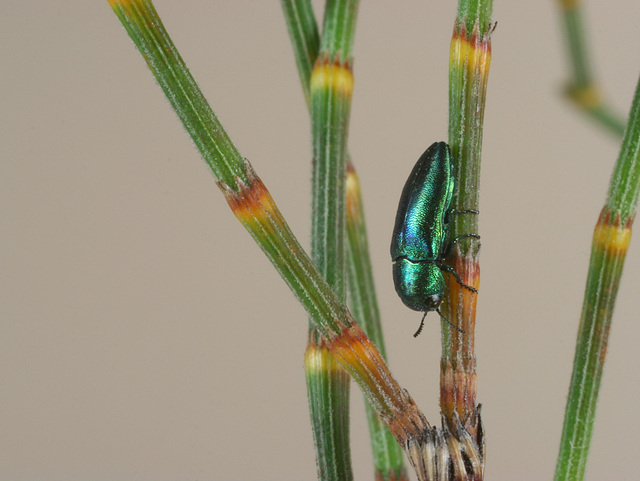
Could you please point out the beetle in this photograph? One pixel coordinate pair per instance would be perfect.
(418, 245)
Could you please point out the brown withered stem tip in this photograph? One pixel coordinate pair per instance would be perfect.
(443, 454)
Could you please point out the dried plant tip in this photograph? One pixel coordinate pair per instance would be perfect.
(470, 450)
(439, 455)
(443, 462)
(430, 454)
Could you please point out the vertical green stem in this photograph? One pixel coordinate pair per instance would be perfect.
(610, 242)
(387, 454)
(303, 32)
(330, 91)
(470, 59)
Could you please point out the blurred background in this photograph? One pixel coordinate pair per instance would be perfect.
(143, 335)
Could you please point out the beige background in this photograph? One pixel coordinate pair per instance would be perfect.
(144, 335)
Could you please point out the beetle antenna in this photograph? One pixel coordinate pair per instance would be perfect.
(448, 322)
(421, 325)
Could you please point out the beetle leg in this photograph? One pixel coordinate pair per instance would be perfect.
(464, 236)
(450, 270)
(451, 212)
(466, 211)
(456, 240)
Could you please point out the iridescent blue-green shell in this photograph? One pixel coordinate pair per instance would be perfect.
(421, 229)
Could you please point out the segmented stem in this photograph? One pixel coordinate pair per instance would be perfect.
(181, 89)
(432, 452)
(330, 90)
(387, 454)
(581, 88)
(608, 250)
(469, 63)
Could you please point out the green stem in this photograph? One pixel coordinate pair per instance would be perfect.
(468, 76)
(257, 211)
(470, 60)
(610, 242)
(185, 96)
(328, 387)
(471, 12)
(581, 88)
(625, 181)
(303, 32)
(387, 454)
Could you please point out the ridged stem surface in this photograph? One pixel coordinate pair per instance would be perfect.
(254, 207)
(469, 62)
(611, 239)
(330, 90)
(181, 90)
(305, 39)
(387, 454)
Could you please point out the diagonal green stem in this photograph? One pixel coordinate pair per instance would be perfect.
(181, 89)
(581, 88)
(610, 242)
(256, 210)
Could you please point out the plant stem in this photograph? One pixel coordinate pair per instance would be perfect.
(255, 208)
(610, 243)
(181, 90)
(303, 32)
(581, 88)
(330, 93)
(331, 89)
(387, 454)
(469, 64)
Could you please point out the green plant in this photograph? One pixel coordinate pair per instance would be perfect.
(334, 332)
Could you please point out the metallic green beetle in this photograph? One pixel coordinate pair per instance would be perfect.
(418, 245)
